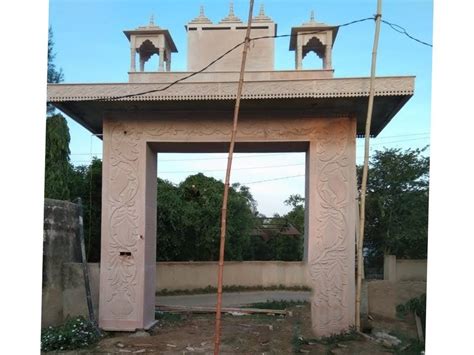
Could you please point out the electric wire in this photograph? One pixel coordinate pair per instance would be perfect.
(267, 154)
(403, 31)
(274, 179)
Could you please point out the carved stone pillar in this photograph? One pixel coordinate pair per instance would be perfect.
(132, 60)
(327, 57)
(168, 60)
(299, 58)
(331, 227)
(128, 247)
(162, 60)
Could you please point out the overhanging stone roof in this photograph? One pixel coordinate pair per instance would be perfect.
(86, 103)
(275, 89)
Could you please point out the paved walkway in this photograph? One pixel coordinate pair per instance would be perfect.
(232, 299)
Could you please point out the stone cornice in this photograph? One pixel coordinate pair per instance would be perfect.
(275, 89)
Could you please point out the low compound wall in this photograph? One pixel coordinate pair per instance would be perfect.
(404, 269)
(191, 275)
(59, 246)
(384, 296)
(380, 297)
(184, 276)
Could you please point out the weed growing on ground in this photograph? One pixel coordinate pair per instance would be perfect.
(168, 317)
(349, 335)
(75, 333)
(297, 341)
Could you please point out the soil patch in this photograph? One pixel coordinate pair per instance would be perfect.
(251, 334)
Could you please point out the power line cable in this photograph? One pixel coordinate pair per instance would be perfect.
(221, 170)
(274, 179)
(403, 31)
(266, 154)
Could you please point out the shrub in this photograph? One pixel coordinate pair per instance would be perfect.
(75, 333)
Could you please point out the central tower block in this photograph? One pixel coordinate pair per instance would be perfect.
(208, 41)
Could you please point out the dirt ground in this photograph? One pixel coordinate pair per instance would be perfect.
(251, 334)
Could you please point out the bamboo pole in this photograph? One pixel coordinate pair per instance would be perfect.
(220, 273)
(360, 256)
(85, 266)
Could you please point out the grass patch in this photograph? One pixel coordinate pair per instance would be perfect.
(333, 339)
(230, 288)
(75, 333)
(168, 317)
(282, 304)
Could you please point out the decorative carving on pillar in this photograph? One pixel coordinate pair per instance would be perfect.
(123, 221)
(329, 265)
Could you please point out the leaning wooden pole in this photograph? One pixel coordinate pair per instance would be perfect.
(360, 256)
(85, 267)
(217, 332)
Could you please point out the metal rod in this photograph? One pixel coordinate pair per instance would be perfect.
(220, 273)
(360, 256)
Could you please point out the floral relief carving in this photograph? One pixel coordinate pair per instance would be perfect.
(123, 220)
(188, 128)
(328, 266)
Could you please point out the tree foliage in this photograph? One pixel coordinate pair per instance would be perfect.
(296, 215)
(279, 246)
(54, 75)
(57, 165)
(86, 182)
(58, 168)
(188, 220)
(397, 205)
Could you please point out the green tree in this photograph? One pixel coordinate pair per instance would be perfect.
(397, 205)
(189, 220)
(54, 75)
(58, 168)
(170, 241)
(296, 215)
(57, 165)
(86, 182)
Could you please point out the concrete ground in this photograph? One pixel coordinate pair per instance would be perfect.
(232, 299)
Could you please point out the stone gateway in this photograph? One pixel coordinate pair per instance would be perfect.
(297, 110)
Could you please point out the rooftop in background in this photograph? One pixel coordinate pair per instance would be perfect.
(273, 227)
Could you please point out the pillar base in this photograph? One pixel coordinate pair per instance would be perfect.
(113, 325)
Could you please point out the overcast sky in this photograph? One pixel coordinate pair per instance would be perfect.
(91, 48)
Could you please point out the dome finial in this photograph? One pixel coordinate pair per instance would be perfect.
(231, 18)
(261, 15)
(202, 17)
(152, 20)
(311, 19)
